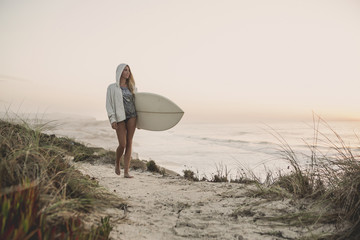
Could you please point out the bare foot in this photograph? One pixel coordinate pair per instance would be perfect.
(117, 167)
(128, 176)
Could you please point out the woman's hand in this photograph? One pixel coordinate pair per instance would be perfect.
(114, 125)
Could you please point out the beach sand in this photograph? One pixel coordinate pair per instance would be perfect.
(171, 207)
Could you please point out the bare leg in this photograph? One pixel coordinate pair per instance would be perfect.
(130, 126)
(121, 135)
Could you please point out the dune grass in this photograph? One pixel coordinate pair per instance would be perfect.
(326, 187)
(330, 181)
(42, 195)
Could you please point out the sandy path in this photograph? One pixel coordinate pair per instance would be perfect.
(173, 208)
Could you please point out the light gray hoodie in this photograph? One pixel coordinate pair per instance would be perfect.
(114, 98)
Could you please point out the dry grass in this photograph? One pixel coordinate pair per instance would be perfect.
(190, 175)
(331, 181)
(42, 195)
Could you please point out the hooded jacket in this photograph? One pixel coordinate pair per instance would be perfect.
(114, 98)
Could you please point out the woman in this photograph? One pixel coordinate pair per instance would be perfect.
(120, 107)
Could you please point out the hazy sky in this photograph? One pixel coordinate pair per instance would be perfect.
(218, 60)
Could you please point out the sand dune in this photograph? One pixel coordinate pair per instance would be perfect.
(171, 207)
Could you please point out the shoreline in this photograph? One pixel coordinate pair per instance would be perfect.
(201, 150)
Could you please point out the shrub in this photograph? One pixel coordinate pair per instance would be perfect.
(152, 167)
(190, 175)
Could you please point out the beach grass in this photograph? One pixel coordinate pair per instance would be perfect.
(329, 185)
(221, 174)
(326, 189)
(42, 195)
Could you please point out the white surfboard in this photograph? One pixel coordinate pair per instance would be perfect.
(155, 112)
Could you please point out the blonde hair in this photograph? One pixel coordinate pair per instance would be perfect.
(131, 82)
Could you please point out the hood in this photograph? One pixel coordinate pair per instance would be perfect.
(119, 71)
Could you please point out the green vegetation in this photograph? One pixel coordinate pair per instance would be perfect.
(42, 195)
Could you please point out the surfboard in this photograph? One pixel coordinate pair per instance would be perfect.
(155, 112)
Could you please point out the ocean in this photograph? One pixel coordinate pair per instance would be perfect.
(206, 148)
